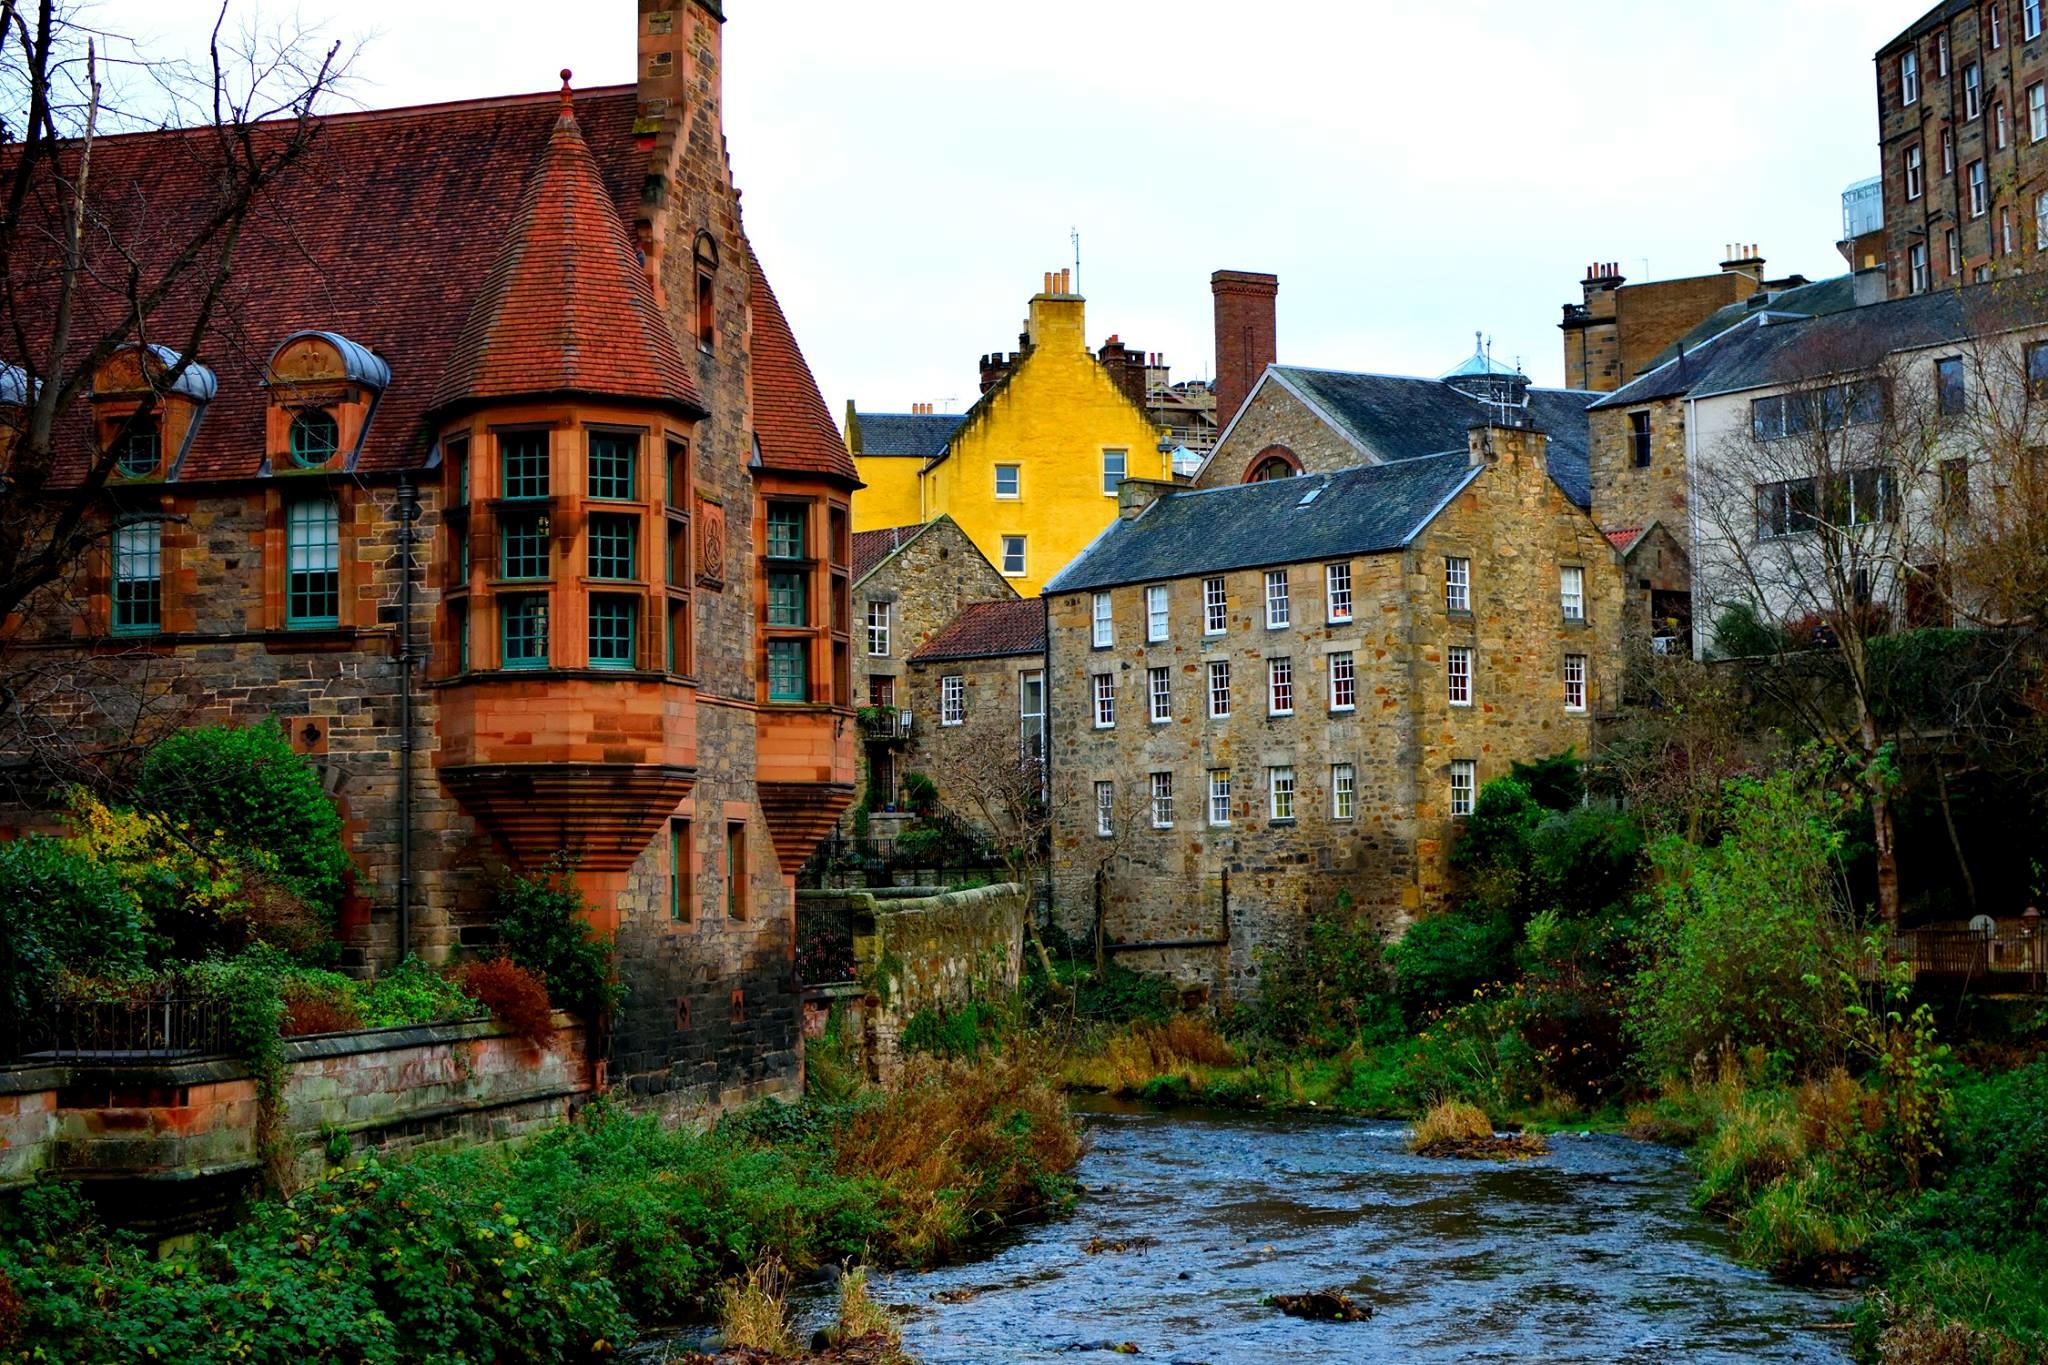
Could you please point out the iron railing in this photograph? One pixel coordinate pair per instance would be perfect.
(2012, 955)
(134, 1029)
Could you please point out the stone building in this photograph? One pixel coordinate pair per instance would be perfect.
(890, 449)
(977, 689)
(1030, 471)
(1962, 99)
(1618, 329)
(1273, 698)
(621, 631)
(909, 582)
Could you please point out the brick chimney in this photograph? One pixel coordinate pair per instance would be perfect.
(994, 366)
(1746, 261)
(1126, 368)
(1246, 338)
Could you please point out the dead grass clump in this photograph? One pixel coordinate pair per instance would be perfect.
(754, 1312)
(316, 1009)
(1451, 1123)
(860, 1317)
(963, 1148)
(1835, 1111)
(1174, 1047)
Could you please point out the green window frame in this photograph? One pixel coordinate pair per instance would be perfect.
(460, 614)
(138, 578)
(315, 437)
(523, 465)
(785, 531)
(678, 472)
(614, 630)
(678, 635)
(523, 551)
(142, 447)
(789, 599)
(523, 630)
(679, 870)
(789, 670)
(312, 538)
(614, 465)
(614, 546)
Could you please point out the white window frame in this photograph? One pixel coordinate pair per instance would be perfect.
(1219, 689)
(1215, 606)
(1123, 470)
(1457, 583)
(1030, 723)
(953, 699)
(1343, 791)
(1915, 173)
(1016, 473)
(1155, 613)
(1022, 545)
(2030, 19)
(2041, 221)
(1948, 151)
(1464, 786)
(1571, 592)
(1997, 28)
(1980, 189)
(2037, 112)
(1219, 798)
(1575, 682)
(1279, 605)
(1955, 254)
(1162, 800)
(1337, 593)
(1280, 794)
(1102, 621)
(1909, 78)
(2001, 125)
(1159, 692)
(1343, 681)
(1458, 675)
(1941, 53)
(1280, 686)
(1105, 809)
(1103, 689)
(878, 630)
(1973, 90)
(1916, 268)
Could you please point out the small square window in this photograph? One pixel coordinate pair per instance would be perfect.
(789, 670)
(614, 465)
(789, 599)
(1113, 470)
(140, 447)
(614, 543)
(523, 464)
(1457, 583)
(785, 531)
(1007, 481)
(522, 545)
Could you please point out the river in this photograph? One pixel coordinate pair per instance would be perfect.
(1588, 1254)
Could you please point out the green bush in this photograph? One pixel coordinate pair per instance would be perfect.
(1441, 960)
(247, 783)
(920, 793)
(410, 993)
(1739, 633)
(954, 1033)
(1555, 782)
(1497, 833)
(1323, 995)
(1583, 860)
(541, 919)
(61, 912)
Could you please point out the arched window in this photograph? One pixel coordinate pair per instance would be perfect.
(141, 447)
(1270, 468)
(315, 436)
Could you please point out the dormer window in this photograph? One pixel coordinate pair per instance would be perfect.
(140, 449)
(315, 437)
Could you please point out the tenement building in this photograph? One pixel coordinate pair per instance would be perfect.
(1962, 98)
(618, 629)
(1275, 698)
(1030, 471)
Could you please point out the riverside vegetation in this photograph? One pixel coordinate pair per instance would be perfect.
(1711, 988)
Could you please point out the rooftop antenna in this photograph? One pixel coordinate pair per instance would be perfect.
(1075, 233)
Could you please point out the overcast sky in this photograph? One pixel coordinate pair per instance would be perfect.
(1412, 172)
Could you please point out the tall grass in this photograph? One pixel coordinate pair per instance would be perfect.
(1449, 1124)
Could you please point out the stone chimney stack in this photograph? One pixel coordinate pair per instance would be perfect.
(1747, 262)
(994, 366)
(1246, 336)
(1133, 496)
(1126, 368)
(1507, 441)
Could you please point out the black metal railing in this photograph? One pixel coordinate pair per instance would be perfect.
(132, 1029)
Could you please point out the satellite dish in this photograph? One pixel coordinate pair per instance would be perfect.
(1983, 925)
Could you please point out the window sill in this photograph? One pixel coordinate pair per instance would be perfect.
(1344, 710)
(1278, 715)
(1281, 820)
(1160, 720)
(1337, 620)
(1575, 622)
(1458, 613)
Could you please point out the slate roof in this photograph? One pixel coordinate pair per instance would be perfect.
(870, 548)
(566, 306)
(1402, 417)
(1806, 300)
(919, 434)
(1363, 510)
(794, 427)
(1773, 350)
(988, 630)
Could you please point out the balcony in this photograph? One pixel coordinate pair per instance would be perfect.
(885, 725)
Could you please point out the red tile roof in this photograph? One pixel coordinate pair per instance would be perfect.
(384, 234)
(870, 548)
(987, 630)
(566, 307)
(1623, 537)
(791, 420)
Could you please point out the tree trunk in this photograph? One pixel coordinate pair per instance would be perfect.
(1955, 838)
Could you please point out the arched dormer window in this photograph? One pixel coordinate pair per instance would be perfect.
(143, 416)
(323, 392)
(707, 291)
(1274, 462)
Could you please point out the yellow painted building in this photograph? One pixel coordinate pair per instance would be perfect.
(1030, 471)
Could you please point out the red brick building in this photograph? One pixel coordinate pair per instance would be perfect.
(625, 632)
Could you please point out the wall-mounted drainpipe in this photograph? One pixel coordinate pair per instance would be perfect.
(408, 513)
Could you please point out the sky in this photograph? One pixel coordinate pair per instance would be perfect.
(1414, 173)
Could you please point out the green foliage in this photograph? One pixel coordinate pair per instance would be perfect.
(410, 993)
(921, 793)
(1555, 782)
(249, 786)
(61, 913)
(1441, 960)
(1739, 633)
(954, 1033)
(1118, 995)
(1324, 994)
(1497, 833)
(540, 917)
(1583, 861)
(1740, 943)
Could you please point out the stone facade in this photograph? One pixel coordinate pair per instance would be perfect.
(1613, 335)
(1214, 897)
(1275, 424)
(1628, 493)
(1001, 709)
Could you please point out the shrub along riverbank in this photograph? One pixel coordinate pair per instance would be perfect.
(555, 1250)
(1715, 991)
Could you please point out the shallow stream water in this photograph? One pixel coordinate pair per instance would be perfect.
(1591, 1253)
